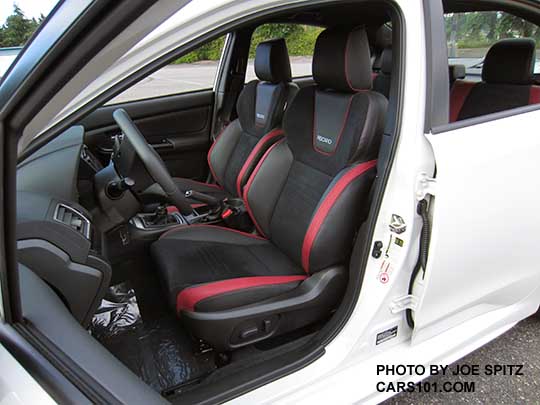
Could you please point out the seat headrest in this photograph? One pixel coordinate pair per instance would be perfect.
(341, 60)
(386, 61)
(383, 37)
(510, 61)
(456, 72)
(272, 61)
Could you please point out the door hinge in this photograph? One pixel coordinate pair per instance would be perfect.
(403, 303)
(425, 185)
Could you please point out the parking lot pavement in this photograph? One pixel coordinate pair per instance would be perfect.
(173, 79)
(520, 345)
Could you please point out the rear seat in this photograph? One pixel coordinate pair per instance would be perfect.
(507, 82)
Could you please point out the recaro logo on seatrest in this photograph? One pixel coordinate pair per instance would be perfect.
(323, 139)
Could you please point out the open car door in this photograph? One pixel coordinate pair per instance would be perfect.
(484, 251)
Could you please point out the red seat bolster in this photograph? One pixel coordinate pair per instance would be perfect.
(459, 93)
(188, 298)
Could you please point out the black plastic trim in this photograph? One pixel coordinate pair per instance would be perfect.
(484, 118)
(69, 369)
(437, 91)
(55, 383)
(313, 297)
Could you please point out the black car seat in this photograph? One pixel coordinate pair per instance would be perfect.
(507, 82)
(382, 81)
(307, 195)
(260, 108)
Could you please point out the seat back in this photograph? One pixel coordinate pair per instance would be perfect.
(308, 193)
(260, 108)
(382, 81)
(507, 82)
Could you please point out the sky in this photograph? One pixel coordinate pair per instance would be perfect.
(31, 8)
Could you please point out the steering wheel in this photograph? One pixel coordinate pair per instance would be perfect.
(152, 161)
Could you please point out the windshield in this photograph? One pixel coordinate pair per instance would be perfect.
(470, 35)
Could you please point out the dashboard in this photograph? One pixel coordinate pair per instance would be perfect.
(57, 236)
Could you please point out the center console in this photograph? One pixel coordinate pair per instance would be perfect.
(229, 212)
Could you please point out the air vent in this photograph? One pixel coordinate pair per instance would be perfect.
(72, 218)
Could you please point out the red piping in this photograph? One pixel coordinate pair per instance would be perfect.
(256, 150)
(210, 154)
(459, 93)
(326, 206)
(189, 297)
(347, 65)
(345, 118)
(184, 227)
(534, 95)
(250, 182)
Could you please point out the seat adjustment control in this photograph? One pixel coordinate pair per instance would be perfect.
(249, 332)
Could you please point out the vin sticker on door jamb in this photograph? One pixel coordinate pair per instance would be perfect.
(386, 335)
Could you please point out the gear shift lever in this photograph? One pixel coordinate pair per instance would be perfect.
(161, 216)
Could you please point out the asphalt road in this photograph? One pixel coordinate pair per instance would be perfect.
(520, 345)
(173, 79)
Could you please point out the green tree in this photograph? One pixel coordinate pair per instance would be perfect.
(17, 29)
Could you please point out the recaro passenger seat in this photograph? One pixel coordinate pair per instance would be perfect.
(507, 82)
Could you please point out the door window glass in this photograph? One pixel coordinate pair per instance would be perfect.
(300, 41)
(194, 71)
(470, 35)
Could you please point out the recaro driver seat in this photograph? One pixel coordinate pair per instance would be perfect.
(308, 194)
(260, 108)
(507, 82)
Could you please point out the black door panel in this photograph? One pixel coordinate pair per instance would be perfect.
(178, 126)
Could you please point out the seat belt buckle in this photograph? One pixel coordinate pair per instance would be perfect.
(226, 213)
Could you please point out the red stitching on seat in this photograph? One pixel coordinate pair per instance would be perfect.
(250, 182)
(326, 205)
(347, 67)
(189, 297)
(183, 227)
(210, 153)
(459, 93)
(256, 150)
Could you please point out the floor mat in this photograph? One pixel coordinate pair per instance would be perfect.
(159, 350)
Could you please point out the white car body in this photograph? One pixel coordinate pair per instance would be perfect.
(481, 276)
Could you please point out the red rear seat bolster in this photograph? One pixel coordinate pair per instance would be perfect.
(188, 298)
(534, 95)
(459, 93)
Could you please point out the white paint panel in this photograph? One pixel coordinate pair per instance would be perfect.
(16, 385)
(485, 250)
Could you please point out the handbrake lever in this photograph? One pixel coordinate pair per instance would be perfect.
(204, 198)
